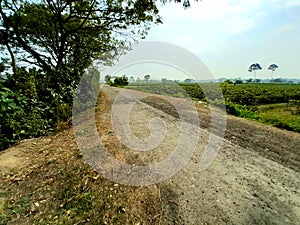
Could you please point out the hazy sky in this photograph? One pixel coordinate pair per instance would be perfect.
(229, 35)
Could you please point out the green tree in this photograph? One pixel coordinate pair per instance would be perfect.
(64, 37)
(60, 40)
(55, 35)
(279, 80)
(87, 91)
(272, 67)
(147, 77)
(107, 79)
(120, 81)
(254, 67)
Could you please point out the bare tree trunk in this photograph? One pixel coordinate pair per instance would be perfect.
(272, 76)
(13, 59)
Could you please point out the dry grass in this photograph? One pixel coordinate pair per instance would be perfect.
(55, 186)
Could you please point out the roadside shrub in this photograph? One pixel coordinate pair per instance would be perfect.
(9, 111)
(17, 122)
(87, 91)
(241, 111)
(32, 103)
(23, 82)
(118, 81)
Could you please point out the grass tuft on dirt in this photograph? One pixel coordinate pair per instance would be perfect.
(57, 187)
(48, 182)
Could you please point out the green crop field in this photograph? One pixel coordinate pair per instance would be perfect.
(276, 104)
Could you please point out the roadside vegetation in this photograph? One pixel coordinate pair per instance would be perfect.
(40, 69)
(116, 81)
(271, 103)
(41, 66)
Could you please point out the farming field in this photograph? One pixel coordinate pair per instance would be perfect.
(276, 104)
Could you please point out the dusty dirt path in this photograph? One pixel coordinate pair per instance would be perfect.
(253, 180)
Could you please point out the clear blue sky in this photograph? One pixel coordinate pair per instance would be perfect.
(229, 35)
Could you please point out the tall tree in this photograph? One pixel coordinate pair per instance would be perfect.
(147, 77)
(254, 67)
(71, 33)
(107, 79)
(59, 35)
(63, 37)
(272, 67)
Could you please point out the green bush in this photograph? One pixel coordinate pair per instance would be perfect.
(32, 103)
(87, 92)
(120, 81)
(17, 122)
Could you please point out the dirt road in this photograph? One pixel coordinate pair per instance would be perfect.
(253, 180)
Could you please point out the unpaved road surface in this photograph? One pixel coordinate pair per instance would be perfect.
(254, 179)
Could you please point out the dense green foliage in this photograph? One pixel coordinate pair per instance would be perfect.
(69, 35)
(117, 81)
(86, 92)
(61, 39)
(243, 100)
(31, 106)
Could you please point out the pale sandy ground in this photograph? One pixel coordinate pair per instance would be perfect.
(240, 187)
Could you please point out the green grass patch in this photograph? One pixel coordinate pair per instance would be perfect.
(280, 115)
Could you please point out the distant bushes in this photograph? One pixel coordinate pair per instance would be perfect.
(245, 94)
(117, 81)
(260, 94)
